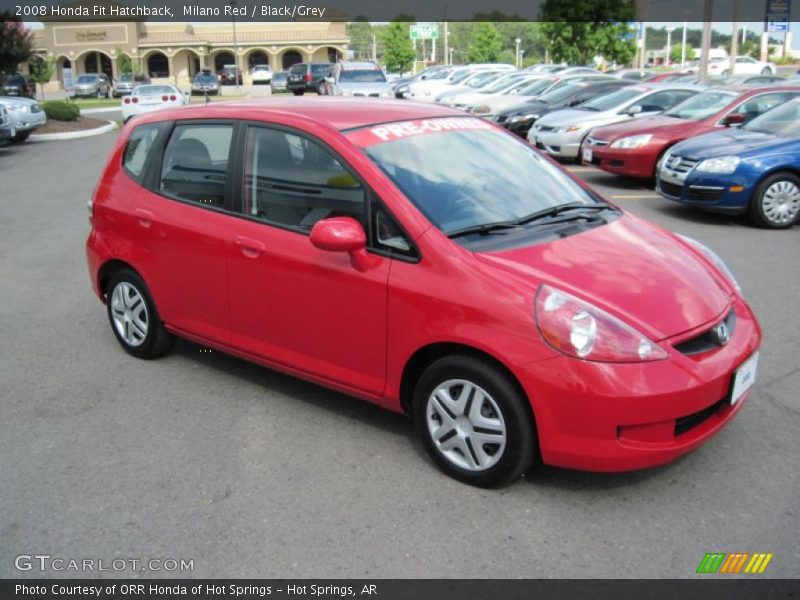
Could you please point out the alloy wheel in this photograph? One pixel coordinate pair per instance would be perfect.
(781, 202)
(129, 312)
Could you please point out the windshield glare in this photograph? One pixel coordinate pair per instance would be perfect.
(502, 84)
(362, 76)
(701, 106)
(87, 78)
(482, 80)
(455, 194)
(782, 120)
(613, 100)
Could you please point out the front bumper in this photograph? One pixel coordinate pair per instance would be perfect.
(639, 162)
(560, 145)
(26, 121)
(706, 190)
(621, 417)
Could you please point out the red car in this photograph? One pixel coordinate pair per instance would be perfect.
(634, 148)
(511, 311)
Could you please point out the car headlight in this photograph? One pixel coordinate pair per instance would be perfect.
(387, 94)
(19, 108)
(714, 258)
(346, 93)
(724, 165)
(569, 129)
(480, 110)
(579, 329)
(631, 142)
(403, 89)
(520, 118)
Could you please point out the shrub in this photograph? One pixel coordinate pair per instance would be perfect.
(61, 110)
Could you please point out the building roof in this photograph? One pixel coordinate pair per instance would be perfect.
(160, 38)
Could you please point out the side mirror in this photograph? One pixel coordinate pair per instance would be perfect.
(634, 110)
(734, 119)
(343, 234)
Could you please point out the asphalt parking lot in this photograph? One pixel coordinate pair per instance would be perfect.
(250, 473)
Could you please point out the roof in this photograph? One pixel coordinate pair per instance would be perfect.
(338, 112)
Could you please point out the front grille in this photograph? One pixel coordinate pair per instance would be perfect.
(597, 143)
(707, 340)
(671, 189)
(544, 128)
(679, 164)
(699, 194)
(689, 422)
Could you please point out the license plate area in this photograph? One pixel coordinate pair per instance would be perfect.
(743, 378)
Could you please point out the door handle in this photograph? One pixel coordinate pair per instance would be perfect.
(145, 217)
(250, 248)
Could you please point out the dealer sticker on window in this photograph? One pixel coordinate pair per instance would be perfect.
(744, 378)
(405, 129)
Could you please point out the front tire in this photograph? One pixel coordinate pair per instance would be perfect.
(20, 137)
(776, 202)
(134, 318)
(474, 422)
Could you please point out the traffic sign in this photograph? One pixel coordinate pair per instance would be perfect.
(424, 31)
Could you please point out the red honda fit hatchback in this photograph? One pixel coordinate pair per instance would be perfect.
(431, 263)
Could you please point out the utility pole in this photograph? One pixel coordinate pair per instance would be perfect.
(683, 47)
(669, 46)
(232, 4)
(517, 41)
(447, 52)
(705, 44)
(734, 37)
(374, 49)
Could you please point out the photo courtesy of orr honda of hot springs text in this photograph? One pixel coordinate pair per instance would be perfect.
(514, 314)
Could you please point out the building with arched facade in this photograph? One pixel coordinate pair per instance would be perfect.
(175, 52)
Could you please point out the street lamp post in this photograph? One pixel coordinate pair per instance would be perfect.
(517, 42)
(232, 4)
(669, 45)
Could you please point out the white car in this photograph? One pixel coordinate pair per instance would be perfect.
(513, 81)
(744, 65)
(262, 75)
(442, 81)
(147, 98)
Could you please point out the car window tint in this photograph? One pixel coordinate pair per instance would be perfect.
(294, 182)
(758, 105)
(138, 148)
(196, 163)
(661, 101)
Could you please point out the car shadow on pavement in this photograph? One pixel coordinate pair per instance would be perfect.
(701, 217)
(299, 389)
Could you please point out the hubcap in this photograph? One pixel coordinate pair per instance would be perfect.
(781, 202)
(466, 425)
(130, 314)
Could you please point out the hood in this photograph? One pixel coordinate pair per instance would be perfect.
(16, 101)
(730, 141)
(524, 106)
(630, 268)
(571, 116)
(499, 103)
(471, 98)
(663, 127)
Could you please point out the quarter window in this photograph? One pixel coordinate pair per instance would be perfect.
(137, 150)
(758, 105)
(195, 163)
(294, 182)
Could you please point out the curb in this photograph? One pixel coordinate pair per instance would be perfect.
(73, 135)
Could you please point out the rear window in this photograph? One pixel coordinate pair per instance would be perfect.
(321, 69)
(138, 149)
(362, 76)
(299, 68)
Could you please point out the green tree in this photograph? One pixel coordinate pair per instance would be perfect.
(676, 52)
(16, 42)
(42, 71)
(576, 31)
(360, 33)
(124, 63)
(398, 50)
(485, 46)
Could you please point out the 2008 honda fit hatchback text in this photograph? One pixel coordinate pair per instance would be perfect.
(428, 262)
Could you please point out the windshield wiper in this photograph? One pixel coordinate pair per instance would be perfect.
(557, 210)
(483, 229)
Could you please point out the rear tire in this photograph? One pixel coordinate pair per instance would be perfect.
(134, 318)
(474, 422)
(776, 202)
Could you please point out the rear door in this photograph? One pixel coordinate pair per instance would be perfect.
(185, 223)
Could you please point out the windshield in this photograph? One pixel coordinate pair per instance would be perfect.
(782, 120)
(362, 76)
(206, 78)
(87, 78)
(455, 194)
(482, 79)
(557, 95)
(153, 90)
(460, 76)
(502, 84)
(535, 87)
(702, 106)
(613, 100)
(125, 77)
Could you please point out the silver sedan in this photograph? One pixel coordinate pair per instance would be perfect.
(25, 116)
